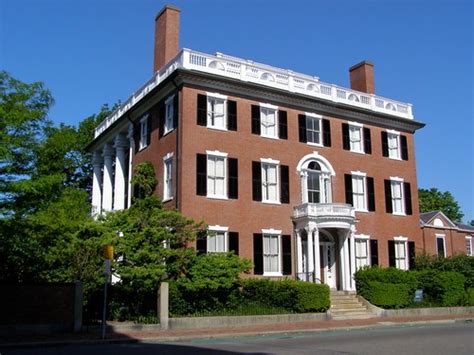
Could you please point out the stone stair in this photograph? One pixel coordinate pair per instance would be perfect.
(346, 305)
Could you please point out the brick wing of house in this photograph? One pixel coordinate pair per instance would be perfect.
(307, 179)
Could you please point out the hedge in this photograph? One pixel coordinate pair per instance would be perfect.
(388, 295)
(470, 297)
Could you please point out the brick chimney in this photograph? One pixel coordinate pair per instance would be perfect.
(166, 36)
(362, 77)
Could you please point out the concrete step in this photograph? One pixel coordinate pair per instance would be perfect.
(353, 316)
(348, 311)
(345, 300)
(348, 307)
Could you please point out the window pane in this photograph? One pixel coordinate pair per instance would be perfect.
(440, 245)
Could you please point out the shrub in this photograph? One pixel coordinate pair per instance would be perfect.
(388, 295)
(470, 297)
(448, 288)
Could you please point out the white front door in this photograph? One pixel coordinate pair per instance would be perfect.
(328, 264)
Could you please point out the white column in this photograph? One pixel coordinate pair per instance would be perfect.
(309, 233)
(347, 263)
(97, 163)
(107, 186)
(304, 187)
(353, 263)
(317, 261)
(130, 156)
(119, 186)
(299, 251)
(342, 262)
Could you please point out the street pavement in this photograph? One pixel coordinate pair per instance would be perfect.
(429, 338)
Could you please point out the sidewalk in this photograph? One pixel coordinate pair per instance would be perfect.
(188, 334)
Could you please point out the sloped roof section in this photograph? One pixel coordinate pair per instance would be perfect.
(427, 218)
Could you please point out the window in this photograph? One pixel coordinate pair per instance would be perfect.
(216, 175)
(216, 117)
(393, 146)
(270, 181)
(268, 121)
(401, 260)
(440, 245)
(168, 177)
(271, 254)
(313, 129)
(469, 250)
(361, 251)
(217, 112)
(355, 138)
(359, 193)
(143, 142)
(314, 182)
(397, 197)
(217, 241)
(169, 114)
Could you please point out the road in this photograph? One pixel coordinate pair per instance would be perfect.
(457, 338)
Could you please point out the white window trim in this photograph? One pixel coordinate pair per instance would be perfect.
(442, 236)
(221, 229)
(167, 129)
(320, 118)
(270, 107)
(402, 192)
(360, 126)
(469, 238)
(216, 153)
(404, 240)
(273, 232)
(215, 95)
(166, 158)
(276, 163)
(366, 238)
(142, 144)
(366, 195)
(395, 133)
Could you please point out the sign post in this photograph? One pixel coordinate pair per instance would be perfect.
(108, 255)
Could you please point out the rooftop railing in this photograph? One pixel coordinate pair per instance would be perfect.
(249, 71)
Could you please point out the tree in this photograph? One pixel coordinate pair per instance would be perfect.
(435, 200)
(23, 111)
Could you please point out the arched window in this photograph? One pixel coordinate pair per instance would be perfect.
(316, 174)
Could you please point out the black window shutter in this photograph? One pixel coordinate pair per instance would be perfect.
(285, 184)
(161, 118)
(282, 125)
(371, 193)
(255, 119)
(407, 193)
(346, 145)
(404, 147)
(391, 253)
(326, 133)
(384, 144)
(258, 254)
(202, 110)
(231, 115)
(148, 133)
(201, 244)
(256, 181)
(233, 182)
(136, 136)
(286, 254)
(367, 141)
(374, 252)
(348, 187)
(411, 254)
(388, 196)
(175, 110)
(234, 242)
(302, 128)
(201, 174)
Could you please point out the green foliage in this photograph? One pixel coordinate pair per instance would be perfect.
(435, 200)
(447, 288)
(388, 295)
(214, 271)
(459, 263)
(144, 180)
(470, 297)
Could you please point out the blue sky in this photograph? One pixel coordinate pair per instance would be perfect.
(91, 52)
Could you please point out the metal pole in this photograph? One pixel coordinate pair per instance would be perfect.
(104, 308)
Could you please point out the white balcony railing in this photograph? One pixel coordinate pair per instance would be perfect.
(323, 210)
(249, 71)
